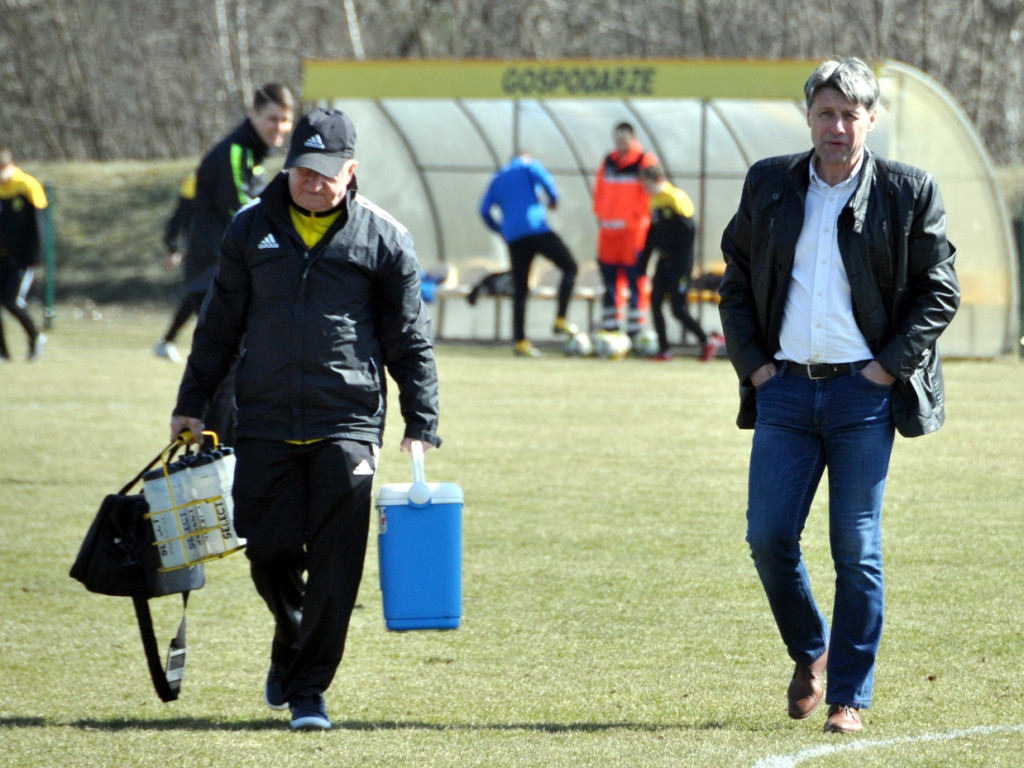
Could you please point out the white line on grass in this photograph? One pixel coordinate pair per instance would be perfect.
(789, 761)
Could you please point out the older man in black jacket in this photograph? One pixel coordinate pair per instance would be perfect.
(324, 289)
(839, 279)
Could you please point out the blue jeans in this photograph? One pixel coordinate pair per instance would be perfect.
(804, 426)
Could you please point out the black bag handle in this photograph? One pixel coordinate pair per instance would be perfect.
(170, 450)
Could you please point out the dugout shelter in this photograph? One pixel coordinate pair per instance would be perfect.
(431, 133)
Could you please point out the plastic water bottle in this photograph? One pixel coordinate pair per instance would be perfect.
(164, 491)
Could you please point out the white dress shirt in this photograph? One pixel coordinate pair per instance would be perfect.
(818, 324)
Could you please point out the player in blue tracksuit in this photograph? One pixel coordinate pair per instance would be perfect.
(516, 190)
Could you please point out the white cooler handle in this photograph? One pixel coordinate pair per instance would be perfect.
(416, 451)
(419, 492)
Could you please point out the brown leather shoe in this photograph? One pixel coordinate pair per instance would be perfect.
(843, 719)
(806, 689)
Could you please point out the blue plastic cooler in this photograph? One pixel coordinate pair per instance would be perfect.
(419, 545)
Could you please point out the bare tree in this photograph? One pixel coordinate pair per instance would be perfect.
(354, 33)
(126, 78)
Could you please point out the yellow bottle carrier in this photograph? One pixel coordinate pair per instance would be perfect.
(190, 507)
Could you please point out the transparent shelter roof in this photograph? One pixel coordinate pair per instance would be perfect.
(430, 134)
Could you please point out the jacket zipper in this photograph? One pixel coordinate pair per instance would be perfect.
(300, 310)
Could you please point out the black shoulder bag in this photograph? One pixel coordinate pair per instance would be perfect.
(118, 557)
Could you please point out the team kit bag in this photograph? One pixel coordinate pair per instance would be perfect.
(156, 543)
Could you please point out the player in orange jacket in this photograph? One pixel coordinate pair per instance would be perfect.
(623, 217)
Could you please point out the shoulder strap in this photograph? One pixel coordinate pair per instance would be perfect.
(166, 679)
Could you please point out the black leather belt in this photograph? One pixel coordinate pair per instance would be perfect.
(824, 370)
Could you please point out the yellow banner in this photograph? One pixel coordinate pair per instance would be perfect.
(619, 79)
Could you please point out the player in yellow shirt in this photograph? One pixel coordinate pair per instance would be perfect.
(671, 235)
(22, 201)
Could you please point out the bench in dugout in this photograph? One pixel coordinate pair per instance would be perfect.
(459, 283)
(479, 279)
(482, 279)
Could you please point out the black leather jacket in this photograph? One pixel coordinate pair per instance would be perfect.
(319, 327)
(892, 239)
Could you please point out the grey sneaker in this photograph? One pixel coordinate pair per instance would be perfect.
(272, 691)
(309, 713)
(167, 350)
(36, 345)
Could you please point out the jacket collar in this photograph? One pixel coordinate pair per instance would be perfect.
(630, 156)
(246, 134)
(859, 200)
(799, 176)
(278, 200)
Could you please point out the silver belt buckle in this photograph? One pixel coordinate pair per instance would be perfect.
(810, 374)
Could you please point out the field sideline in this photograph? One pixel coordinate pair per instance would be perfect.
(612, 616)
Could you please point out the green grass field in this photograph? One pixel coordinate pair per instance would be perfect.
(612, 616)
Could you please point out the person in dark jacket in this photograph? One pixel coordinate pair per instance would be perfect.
(839, 280)
(176, 233)
(22, 201)
(228, 177)
(670, 238)
(324, 288)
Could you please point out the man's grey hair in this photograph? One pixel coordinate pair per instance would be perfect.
(851, 77)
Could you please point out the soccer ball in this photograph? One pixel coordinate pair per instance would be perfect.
(578, 345)
(646, 343)
(611, 345)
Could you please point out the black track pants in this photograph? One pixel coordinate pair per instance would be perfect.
(305, 510)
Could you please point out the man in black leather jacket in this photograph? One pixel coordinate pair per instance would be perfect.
(839, 279)
(324, 288)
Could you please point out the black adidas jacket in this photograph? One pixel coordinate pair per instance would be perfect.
(228, 177)
(319, 326)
